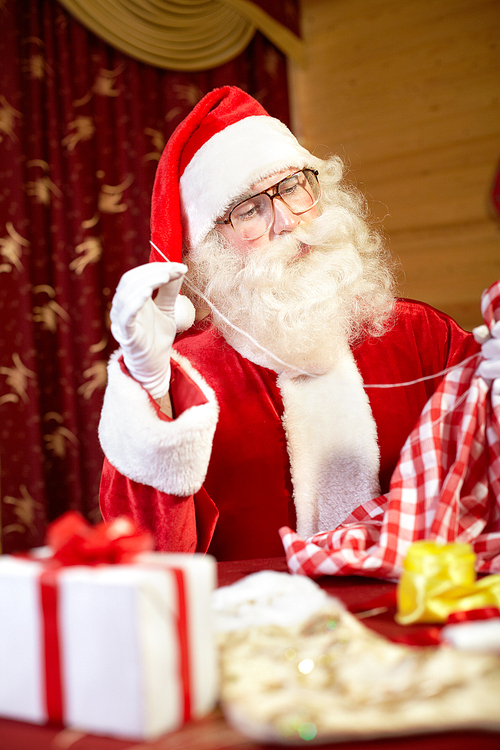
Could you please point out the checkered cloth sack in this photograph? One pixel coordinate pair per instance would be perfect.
(446, 485)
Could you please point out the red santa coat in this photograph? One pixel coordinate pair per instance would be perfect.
(218, 477)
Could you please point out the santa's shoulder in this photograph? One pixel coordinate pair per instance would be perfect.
(423, 316)
(418, 331)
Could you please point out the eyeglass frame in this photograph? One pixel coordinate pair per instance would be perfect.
(272, 197)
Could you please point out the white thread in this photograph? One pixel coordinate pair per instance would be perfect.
(457, 403)
(297, 369)
(239, 330)
(421, 380)
(443, 415)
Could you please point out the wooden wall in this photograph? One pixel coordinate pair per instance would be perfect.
(408, 91)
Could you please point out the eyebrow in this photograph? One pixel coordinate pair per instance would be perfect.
(240, 199)
(247, 196)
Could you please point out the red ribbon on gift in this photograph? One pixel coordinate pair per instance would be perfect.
(75, 542)
(49, 595)
(182, 636)
(467, 615)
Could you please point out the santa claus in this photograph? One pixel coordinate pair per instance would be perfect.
(260, 413)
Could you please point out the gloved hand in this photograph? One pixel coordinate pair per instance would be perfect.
(489, 368)
(145, 329)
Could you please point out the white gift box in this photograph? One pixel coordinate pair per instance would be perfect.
(135, 643)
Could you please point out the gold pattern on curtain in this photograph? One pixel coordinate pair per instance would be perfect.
(82, 127)
(188, 35)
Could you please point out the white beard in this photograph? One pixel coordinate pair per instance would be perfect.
(300, 300)
(304, 299)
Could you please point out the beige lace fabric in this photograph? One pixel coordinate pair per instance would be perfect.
(330, 678)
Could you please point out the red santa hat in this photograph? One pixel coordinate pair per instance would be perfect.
(227, 143)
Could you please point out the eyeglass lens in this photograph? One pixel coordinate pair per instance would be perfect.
(253, 217)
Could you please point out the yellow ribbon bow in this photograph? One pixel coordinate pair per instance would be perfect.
(439, 579)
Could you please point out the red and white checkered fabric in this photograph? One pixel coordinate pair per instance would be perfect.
(446, 486)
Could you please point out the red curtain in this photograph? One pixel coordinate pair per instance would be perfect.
(81, 130)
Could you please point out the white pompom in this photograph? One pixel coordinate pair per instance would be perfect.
(184, 313)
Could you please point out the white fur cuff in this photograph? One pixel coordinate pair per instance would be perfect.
(172, 456)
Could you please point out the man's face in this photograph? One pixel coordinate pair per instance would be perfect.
(284, 220)
(275, 301)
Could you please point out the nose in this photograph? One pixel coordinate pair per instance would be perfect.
(284, 219)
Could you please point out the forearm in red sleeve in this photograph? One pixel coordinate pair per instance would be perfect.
(155, 466)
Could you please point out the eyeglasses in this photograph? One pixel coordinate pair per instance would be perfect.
(251, 218)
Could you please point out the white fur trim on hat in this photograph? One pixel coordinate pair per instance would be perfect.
(172, 456)
(229, 163)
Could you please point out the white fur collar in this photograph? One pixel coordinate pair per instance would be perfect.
(332, 444)
(331, 435)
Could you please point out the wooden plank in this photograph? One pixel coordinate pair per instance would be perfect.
(409, 94)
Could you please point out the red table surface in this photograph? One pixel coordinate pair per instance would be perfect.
(212, 732)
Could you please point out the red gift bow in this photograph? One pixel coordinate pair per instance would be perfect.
(75, 542)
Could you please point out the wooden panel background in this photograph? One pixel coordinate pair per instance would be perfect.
(408, 92)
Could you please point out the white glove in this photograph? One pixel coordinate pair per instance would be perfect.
(145, 329)
(489, 369)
